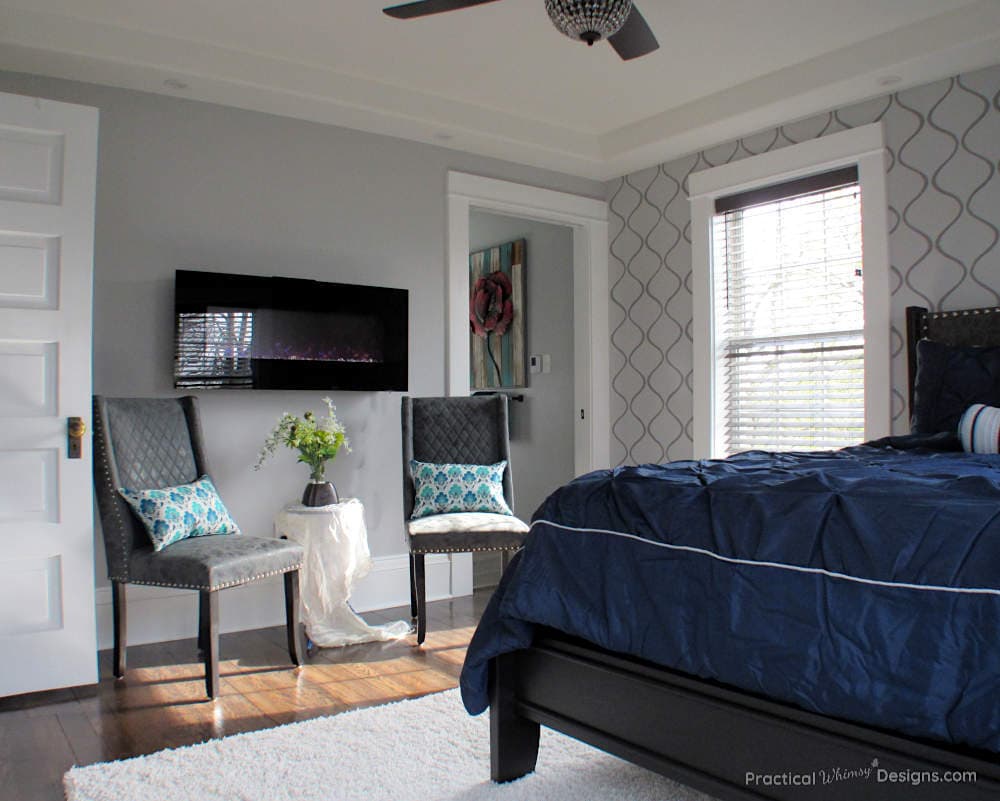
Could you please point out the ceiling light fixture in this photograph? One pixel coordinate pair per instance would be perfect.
(618, 21)
(589, 20)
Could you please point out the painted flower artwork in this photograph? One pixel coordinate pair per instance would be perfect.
(491, 308)
(496, 316)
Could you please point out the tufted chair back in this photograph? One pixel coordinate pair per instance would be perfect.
(461, 430)
(141, 443)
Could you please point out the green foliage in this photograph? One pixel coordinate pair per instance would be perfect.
(317, 441)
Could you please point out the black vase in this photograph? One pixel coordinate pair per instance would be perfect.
(319, 493)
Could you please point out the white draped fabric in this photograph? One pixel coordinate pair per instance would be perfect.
(337, 555)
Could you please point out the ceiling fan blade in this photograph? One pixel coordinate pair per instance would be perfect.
(423, 8)
(635, 37)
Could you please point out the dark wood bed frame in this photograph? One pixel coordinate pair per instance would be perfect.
(710, 736)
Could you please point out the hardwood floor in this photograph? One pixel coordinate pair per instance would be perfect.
(161, 701)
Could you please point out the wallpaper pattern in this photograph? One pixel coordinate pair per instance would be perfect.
(943, 149)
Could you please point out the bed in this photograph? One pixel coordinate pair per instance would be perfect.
(918, 721)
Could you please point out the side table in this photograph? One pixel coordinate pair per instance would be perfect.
(336, 555)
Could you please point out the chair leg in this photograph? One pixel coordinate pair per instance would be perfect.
(209, 635)
(295, 650)
(413, 589)
(203, 626)
(120, 625)
(420, 586)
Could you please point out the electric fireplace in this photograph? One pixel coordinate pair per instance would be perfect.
(259, 332)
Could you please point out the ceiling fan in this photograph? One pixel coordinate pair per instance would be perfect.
(618, 21)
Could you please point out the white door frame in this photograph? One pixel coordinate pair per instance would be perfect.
(588, 219)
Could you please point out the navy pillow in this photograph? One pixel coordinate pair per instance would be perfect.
(949, 380)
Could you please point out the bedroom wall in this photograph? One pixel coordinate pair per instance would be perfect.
(943, 142)
(184, 184)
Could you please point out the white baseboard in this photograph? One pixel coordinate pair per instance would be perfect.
(159, 614)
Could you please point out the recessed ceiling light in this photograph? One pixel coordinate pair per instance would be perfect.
(889, 80)
(174, 83)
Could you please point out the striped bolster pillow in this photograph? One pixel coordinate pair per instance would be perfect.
(979, 429)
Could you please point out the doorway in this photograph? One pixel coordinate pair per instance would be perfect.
(541, 421)
(587, 219)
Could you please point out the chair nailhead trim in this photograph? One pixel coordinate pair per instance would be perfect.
(102, 443)
(215, 586)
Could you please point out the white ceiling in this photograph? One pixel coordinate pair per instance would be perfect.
(498, 79)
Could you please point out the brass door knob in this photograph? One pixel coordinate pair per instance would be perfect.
(75, 429)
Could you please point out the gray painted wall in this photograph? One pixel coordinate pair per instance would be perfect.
(195, 185)
(542, 426)
(943, 144)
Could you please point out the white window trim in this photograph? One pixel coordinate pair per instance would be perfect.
(863, 146)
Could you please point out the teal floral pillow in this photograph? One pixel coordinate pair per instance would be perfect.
(443, 488)
(175, 513)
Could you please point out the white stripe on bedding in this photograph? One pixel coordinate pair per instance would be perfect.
(779, 565)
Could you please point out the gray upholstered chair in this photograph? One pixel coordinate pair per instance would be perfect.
(150, 443)
(462, 430)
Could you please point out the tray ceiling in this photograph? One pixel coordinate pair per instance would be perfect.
(498, 79)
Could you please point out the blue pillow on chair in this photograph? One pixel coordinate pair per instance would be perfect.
(171, 514)
(445, 488)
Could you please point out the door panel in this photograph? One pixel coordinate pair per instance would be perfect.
(31, 162)
(29, 486)
(48, 161)
(30, 277)
(28, 379)
(30, 595)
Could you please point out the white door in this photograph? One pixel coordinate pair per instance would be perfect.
(48, 165)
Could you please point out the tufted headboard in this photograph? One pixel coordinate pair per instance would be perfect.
(964, 327)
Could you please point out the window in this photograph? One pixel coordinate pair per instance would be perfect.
(789, 315)
(790, 288)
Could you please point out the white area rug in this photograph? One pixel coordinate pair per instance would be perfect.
(426, 749)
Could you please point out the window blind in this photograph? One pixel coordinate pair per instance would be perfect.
(789, 316)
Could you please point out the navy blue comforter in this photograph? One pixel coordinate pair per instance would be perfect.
(862, 583)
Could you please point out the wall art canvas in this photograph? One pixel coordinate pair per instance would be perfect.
(496, 316)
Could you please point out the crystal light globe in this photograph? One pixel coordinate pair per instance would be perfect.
(588, 20)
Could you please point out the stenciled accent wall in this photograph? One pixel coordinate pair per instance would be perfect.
(943, 149)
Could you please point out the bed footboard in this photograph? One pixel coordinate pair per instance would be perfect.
(732, 745)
